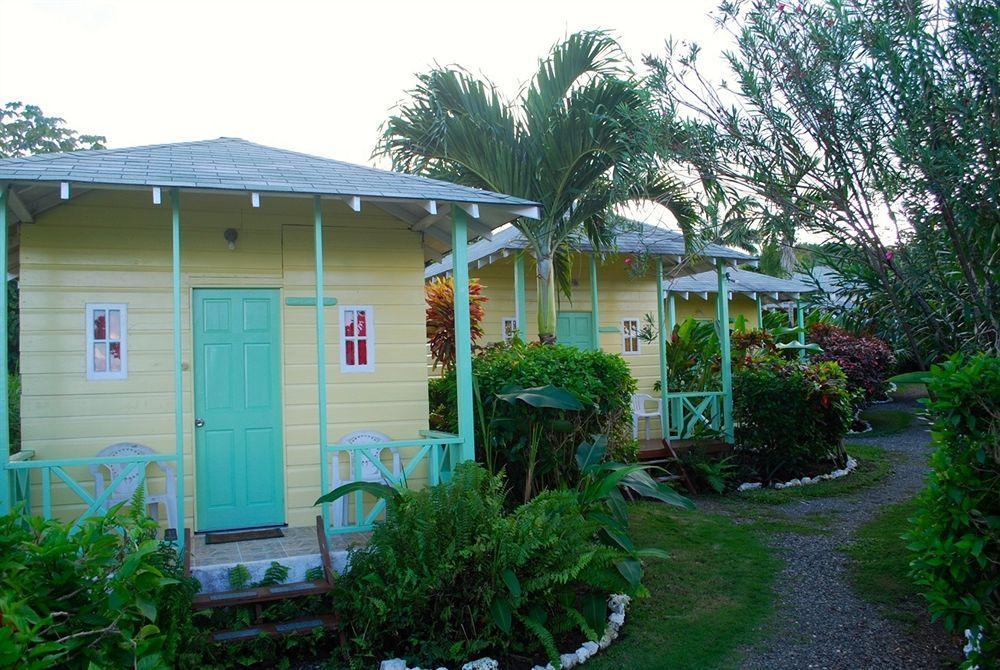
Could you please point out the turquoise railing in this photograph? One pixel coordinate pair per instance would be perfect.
(50, 471)
(695, 414)
(20, 481)
(440, 452)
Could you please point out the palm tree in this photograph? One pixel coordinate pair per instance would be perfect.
(575, 139)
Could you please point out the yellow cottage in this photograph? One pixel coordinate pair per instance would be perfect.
(613, 296)
(235, 325)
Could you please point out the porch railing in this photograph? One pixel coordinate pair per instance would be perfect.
(438, 452)
(694, 414)
(20, 469)
(20, 481)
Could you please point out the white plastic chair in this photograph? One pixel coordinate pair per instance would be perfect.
(369, 473)
(640, 410)
(126, 489)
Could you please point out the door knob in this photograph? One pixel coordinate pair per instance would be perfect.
(198, 423)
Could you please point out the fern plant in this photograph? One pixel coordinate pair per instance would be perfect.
(239, 577)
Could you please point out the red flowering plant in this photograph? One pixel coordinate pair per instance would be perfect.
(866, 360)
(440, 295)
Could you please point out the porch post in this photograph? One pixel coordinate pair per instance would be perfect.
(519, 301)
(671, 312)
(324, 473)
(800, 322)
(463, 334)
(760, 313)
(662, 341)
(175, 230)
(5, 492)
(595, 315)
(727, 364)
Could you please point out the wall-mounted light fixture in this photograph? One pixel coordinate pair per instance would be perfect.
(231, 234)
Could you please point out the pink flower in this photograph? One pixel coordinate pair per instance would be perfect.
(781, 6)
(628, 260)
(888, 256)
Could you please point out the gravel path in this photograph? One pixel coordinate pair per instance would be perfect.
(820, 622)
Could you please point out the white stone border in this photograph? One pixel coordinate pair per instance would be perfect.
(836, 474)
(618, 604)
(868, 428)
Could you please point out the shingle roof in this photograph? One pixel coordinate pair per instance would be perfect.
(740, 281)
(231, 163)
(635, 239)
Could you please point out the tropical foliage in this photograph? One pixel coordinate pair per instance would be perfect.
(531, 435)
(867, 361)
(439, 293)
(872, 125)
(790, 416)
(25, 130)
(574, 140)
(106, 595)
(451, 574)
(956, 530)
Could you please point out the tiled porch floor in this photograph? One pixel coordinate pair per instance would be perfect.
(299, 541)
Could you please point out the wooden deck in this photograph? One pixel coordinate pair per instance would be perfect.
(654, 449)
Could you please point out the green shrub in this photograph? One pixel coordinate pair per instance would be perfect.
(107, 595)
(451, 574)
(602, 383)
(956, 530)
(790, 418)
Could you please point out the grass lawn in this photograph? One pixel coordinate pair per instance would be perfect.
(879, 562)
(886, 421)
(706, 601)
(873, 466)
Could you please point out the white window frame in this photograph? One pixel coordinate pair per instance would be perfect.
(638, 340)
(503, 327)
(91, 307)
(369, 338)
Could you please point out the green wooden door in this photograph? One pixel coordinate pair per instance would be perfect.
(237, 403)
(575, 329)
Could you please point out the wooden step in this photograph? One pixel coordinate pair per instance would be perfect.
(303, 625)
(260, 594)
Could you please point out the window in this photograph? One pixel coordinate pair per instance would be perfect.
(107, 351)
(357, 341)
(630, 336)
(508, 328)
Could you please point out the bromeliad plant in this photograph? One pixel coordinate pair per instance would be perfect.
(460, 575)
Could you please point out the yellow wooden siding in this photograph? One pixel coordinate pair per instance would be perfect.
(619, 297)
(115, 247)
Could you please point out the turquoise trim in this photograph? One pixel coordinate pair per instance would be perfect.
(520, 307)
(324, 475)
(175, 234)
(609, 329)
(595, 314)
(463, 332)
(662, 345)
(722, 299)
(760, 313)
(5, 479)
(800, 322)
(309, 302)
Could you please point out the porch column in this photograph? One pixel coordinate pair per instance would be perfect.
(727, 364)
(662, 342)
(519, 301)
(175, 234)
(595, 320)
(463, 332)
(671, 312)
(760, 313)
(800, 322)
(5, 492)
(324, 472)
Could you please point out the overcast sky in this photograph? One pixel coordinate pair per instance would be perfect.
(317, 77)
